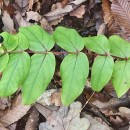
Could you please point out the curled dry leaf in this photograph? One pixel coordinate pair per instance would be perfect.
(8, 22)
(118, 122)
(108, 17)
(37, 5)
(46, 25)
(55, 22)
(21, 22)
(30, 4)
(66, 118)
(14, 113)
(32, 120)
(61, 11)
(79, 12)
(4, 102)
(31, 15)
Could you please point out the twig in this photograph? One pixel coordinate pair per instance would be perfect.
(88, 100)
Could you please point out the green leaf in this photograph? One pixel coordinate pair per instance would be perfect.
(22, 42)
(68, 39)
(74, 71)
(39, 76)
(101, 72)
(121, 77)
(98, 44)
(9, 41)
(3, 61)
(119, 47)
(14, 73)
(39, 40)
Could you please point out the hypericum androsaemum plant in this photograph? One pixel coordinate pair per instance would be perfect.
(34, 73)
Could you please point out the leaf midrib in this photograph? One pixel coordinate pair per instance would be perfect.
(72, 76)
(29, 92)
(13, 72)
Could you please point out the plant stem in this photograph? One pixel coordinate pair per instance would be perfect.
(39, 52)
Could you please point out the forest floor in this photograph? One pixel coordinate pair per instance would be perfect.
(103, 111)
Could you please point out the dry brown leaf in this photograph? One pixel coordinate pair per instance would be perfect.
(102, 29)
(45, 98)
(124, 111)
(4, 102)
(21, 22)
(6, 2)
(46, 25)
(2, 127)
(79, 12)
(31, 15)
(14, 113)
(60, 12)
(22, 3)
(43, 110)
(101, 104)
(55, 22)
(114, 26)
(56, 98)
(108, 17)
(37, 5)
(8, 22)
(10, 9)
(12, 126)
(1, 3)
(64, 2)
(95, 124)
(117, 121)
(30, 4)
(66, 118)
(31, 124)
(121, 12)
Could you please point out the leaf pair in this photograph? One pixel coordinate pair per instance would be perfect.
(103, 65)
(121, 72)
(74, 68)
(103, 68)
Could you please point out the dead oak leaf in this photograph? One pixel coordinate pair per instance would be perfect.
(4, 102)
(61, 11)
(66, 118)
(31, 15)
(8, 22)
(79, 12)
(114, 14)
(121, 11)
(14, 113)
